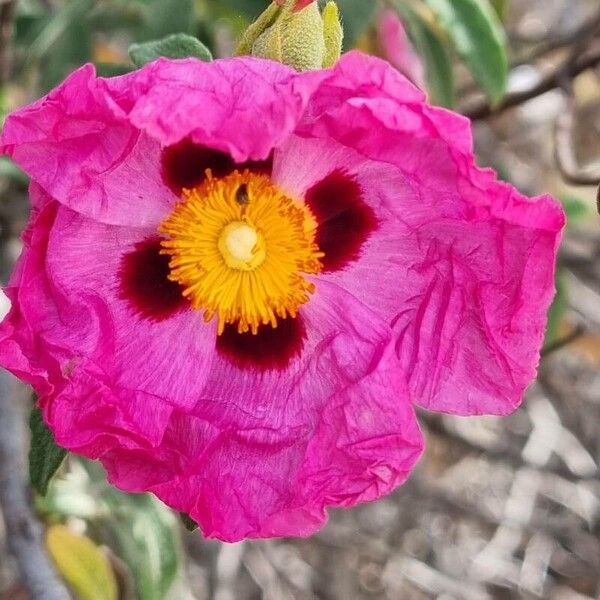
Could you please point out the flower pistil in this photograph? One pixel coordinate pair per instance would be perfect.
(240, 248)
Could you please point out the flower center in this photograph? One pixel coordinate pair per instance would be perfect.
(240, 248)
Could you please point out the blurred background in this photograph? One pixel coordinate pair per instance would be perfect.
(497, 508)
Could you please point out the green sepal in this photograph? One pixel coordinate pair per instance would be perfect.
(45, 457)
(334, 34)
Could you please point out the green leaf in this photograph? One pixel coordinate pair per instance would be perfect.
(178, 45)
(556, 312)
(433, 50)
(45, 457)
(146, 538)
(63, 43)
(575, 207)
(476, 32)
(501, 8)
(82, 564)
(188, 522)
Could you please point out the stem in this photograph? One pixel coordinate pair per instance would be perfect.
(564, 148)
(23, 530)
(550, 81)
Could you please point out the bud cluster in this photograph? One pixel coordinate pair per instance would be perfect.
(296, 33)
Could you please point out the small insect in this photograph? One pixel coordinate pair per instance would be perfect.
(241, 195)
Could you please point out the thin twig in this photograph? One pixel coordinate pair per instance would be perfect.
(564, 150)
(543, 49)
(548, 82)
(552, 43)
(23, 529)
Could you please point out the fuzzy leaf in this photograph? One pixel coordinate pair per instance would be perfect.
(334, 34)
(178, 45)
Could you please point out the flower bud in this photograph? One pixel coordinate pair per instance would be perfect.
(296, 34)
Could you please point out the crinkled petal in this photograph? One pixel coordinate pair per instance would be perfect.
(461, 266)
(92, 417)
(442, 300)
(71, 315)
(94, 144)
(264, 453)
(82, 151)
(357, 75)
(243, 106)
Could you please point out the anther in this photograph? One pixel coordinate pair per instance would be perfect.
(241, 195)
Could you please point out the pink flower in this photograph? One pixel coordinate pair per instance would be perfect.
(397, 49)
(182, 210)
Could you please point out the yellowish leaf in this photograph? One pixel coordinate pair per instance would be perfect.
(82, 564)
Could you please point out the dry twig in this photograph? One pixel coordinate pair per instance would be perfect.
(24, 531)
(548, 82)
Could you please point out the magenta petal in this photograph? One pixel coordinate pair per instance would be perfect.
(220, 105)
(462, 266)
(264, 453)
(77, 146)
(72, 315)
(440, 300)
(95, 144)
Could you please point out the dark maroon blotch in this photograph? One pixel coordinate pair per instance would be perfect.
(264, 167)
(145, 285)
(344, 220)
(184, 165)
(269, 349)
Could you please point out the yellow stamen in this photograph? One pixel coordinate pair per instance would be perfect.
(239, 247)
